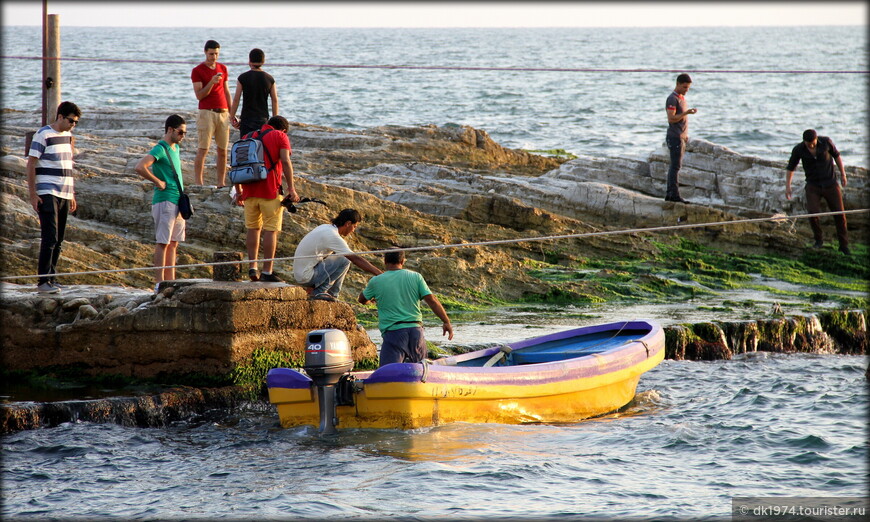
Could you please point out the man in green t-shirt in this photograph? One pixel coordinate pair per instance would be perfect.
(162, 167)
(397, 293)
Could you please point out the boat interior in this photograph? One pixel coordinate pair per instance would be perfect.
(548, 351)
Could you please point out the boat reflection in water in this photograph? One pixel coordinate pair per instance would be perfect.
(557, 378)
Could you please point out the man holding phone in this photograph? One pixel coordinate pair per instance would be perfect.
(213, 120)
(678, 134)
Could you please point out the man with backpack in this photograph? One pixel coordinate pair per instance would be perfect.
(262, 198)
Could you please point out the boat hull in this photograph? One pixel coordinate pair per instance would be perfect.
(407, 396)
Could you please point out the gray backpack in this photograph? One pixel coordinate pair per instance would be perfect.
(246, 159)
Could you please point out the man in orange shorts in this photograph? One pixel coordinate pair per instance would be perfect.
(262, 199)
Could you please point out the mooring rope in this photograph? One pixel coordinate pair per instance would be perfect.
(774, 218)
(449, 67)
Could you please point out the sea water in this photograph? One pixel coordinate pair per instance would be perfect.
(697, 434)
(751, 86)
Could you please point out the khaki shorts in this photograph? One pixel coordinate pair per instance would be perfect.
(267, 214)
(168, 223)
(210, 123)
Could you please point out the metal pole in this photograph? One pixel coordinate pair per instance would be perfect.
(44, 54)
(52, 61)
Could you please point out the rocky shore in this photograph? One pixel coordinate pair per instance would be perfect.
(416, 187)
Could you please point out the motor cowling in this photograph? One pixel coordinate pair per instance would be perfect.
(327, 358)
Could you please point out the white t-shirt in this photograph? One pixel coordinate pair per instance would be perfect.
(320, 242)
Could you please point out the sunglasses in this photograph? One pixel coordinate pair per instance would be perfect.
(71, 121)
(180, 132)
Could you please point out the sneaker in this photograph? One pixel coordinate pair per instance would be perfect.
(322, 297)
(57, 285)
(270, 278)
(253, 275)
(818, 244)
(47, 288)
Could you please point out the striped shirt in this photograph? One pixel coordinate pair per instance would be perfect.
(54, 165)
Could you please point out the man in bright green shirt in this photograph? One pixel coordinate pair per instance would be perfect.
(162, 167)
(397, 293)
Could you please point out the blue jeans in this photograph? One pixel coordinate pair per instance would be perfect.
(403, 345)
(677, 147)
(329, 275)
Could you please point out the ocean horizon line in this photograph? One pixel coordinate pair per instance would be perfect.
(591, 27)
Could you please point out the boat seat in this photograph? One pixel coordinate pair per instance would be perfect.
(502, 351)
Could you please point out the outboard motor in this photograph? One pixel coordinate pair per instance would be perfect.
(327, 358)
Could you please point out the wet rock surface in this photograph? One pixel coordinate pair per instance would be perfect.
(189, 327)
(148, 411)
(840, 332)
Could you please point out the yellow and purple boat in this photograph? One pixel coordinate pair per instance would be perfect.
(561, 377)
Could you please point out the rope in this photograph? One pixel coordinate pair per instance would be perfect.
(450, 67)
(774, 218)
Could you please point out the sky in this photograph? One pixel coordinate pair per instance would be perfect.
(436, 14)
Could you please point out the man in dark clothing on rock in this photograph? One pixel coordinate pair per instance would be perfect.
(254, 88)
(817, 155)
(678, 134)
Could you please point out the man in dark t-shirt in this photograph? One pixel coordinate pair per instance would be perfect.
(255, 87)
(678, 134)
(817, 154)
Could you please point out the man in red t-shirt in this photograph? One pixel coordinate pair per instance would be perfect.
(213, 92)
(262, 199)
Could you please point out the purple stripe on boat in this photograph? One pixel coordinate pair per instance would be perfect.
(287, 378)
(543, 373)
(398, 372)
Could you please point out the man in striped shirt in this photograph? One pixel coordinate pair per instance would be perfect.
(52, 195)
